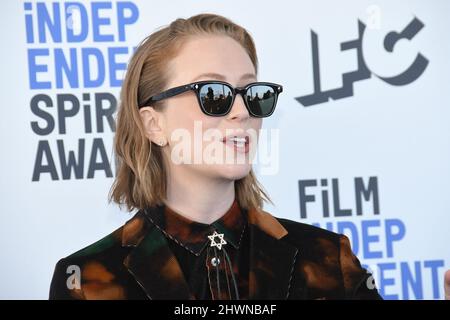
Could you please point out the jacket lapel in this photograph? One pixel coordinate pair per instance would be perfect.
(271, 260)
(155, 268)
(152, 263)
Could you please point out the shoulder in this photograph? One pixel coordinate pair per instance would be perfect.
(306, 236)
(317, 244)
(304, 231)
(100, 249)
(328, 263)
(115, 243)
(322, 246)
(101, 261)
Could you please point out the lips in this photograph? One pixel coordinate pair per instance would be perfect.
(239, 142)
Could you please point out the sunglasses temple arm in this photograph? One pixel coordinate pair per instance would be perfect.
(167, 94)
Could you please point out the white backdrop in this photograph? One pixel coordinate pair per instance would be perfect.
(377, 145)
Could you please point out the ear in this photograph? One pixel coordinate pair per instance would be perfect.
(153, 123)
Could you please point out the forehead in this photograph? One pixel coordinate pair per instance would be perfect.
(208, 55)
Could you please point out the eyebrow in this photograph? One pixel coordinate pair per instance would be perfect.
(218, 76)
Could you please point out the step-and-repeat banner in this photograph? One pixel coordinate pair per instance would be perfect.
(363, 123)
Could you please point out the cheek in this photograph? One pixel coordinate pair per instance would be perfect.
(255, 125)
(181, 113)
(185, 114)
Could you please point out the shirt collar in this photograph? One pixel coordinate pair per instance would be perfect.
(193, 235)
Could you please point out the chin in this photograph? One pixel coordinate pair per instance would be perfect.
(234, 171)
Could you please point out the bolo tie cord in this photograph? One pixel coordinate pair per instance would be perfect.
(230, 266)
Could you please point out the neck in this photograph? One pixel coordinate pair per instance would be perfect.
(201, 199)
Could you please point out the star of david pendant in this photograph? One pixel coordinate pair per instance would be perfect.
(213, 241)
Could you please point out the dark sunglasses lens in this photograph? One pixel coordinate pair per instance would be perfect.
(216, 98)
(261, 100)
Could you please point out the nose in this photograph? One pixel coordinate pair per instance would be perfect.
(238, 110)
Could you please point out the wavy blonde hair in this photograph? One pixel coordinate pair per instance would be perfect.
(141, 178)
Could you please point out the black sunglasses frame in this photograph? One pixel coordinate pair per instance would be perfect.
(197, 86)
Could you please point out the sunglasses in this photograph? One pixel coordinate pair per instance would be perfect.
(216, 97)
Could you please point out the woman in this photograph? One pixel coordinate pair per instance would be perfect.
(200, 231)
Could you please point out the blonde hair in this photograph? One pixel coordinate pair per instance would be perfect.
(140, 176)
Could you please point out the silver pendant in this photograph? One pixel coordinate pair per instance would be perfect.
(213, 241)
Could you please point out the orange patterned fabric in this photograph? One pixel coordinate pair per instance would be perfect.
(211, 273)
(275, 259)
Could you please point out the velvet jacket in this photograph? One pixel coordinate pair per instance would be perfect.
(211, 272)
(287, 260)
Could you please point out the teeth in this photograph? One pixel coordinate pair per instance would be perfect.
(238, 140)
